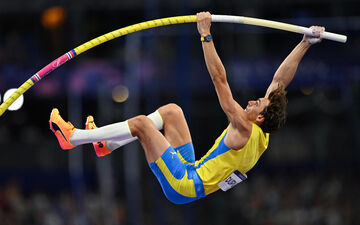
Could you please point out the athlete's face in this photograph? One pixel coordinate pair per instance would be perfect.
(255, 107)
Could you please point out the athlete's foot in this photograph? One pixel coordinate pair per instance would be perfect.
(62, 130)
(100, 147)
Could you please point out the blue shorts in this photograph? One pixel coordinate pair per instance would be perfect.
(177, 175)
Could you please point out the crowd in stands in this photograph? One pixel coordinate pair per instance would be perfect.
(279, 199)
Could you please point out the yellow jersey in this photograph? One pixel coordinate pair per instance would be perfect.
(221, 161)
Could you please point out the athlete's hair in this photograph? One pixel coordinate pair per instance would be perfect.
(275, 112)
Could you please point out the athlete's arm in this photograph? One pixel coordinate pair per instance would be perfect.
(232, 109)
(285, 73)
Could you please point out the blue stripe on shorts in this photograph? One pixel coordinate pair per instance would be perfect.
(187, 152)
(178, 170)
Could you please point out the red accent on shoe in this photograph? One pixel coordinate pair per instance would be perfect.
(100, 147)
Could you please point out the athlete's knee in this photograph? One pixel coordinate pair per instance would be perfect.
(139, 124)
(171, 110)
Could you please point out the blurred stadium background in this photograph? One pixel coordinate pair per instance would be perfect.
(309, 174)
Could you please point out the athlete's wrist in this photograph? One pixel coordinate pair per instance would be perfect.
(305, 43)
(204, 33)
(206, 38)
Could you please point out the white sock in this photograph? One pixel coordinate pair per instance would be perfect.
(115, 135)
(113, 145)
(117, 131)
(155, 117)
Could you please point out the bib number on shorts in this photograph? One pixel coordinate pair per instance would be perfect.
(232, 180)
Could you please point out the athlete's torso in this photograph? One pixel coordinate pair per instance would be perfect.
(220, 161)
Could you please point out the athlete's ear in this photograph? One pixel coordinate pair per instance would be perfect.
(259, 119)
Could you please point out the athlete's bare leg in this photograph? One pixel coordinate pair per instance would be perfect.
(176, 129)
(153, 141)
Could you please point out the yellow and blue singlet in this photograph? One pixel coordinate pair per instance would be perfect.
(184, 180)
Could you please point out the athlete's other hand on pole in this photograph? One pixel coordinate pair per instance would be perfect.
(318, 35)
(203, 23)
